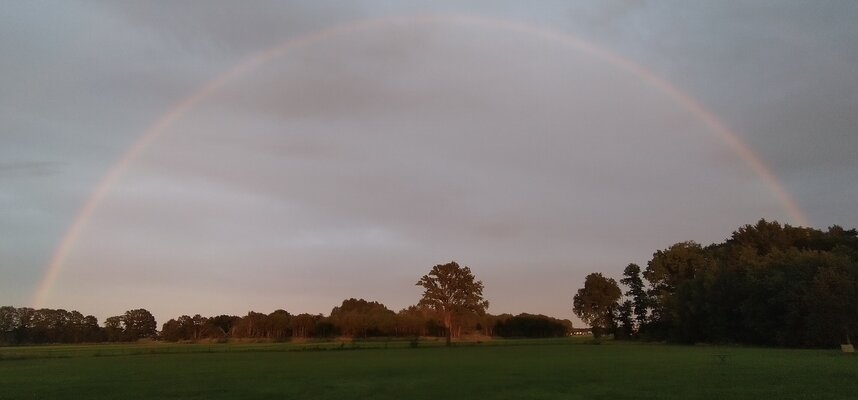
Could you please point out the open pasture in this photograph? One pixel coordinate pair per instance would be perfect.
(536, 369)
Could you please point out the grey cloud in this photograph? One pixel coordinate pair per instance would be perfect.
(29, 168)
(781, 74)
(232, 27)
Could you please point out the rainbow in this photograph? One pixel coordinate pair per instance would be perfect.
(157, 128)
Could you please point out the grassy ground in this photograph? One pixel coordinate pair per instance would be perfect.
(549, 369)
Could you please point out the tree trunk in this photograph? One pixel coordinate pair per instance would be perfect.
(448, 322)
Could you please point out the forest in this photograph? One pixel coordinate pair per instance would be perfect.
(357, 318)
(767, 284)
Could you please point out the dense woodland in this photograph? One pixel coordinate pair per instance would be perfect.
(767, 284)
(357, 318)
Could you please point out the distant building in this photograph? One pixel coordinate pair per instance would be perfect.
(580, 332)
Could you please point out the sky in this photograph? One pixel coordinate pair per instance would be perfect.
(352, 162)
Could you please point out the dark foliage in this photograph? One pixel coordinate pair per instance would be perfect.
(532, 326)
(767, 284)
(30, 326)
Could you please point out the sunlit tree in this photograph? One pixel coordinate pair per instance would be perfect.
(450, 289)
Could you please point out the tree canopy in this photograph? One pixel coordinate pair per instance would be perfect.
(596, 302)
(450, 289)
(767, 284)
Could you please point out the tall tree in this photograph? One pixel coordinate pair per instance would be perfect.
(626, 327)
(596, 302)
(451, 289)
(637, 293)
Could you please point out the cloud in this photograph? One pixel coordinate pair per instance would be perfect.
(19, 169)
(230, 27)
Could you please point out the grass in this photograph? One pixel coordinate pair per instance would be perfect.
(535, 369)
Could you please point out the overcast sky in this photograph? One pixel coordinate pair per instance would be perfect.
(350, 166)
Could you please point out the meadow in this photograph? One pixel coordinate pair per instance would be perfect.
(500, 369)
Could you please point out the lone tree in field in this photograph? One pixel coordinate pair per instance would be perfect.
(451, 289)
(596, 302)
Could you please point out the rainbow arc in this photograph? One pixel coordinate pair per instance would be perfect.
(186, 104)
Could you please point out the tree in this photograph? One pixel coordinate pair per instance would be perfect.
(223, 324)
(251, 325)
(138, 324)
(171, 331)
(279, 325)
(113, 329)
(596, 302)
(304, 325)
(668, 270)
(10, 321)
(450, 289)
(362, 318)
(637, 292)
(91, 331)
(626, 328)
(411, 321)
(675, 265)
(532, 326)
(832, 297)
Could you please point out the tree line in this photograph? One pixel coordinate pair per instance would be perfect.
(767, 284)
(31, 326)
(451, 306)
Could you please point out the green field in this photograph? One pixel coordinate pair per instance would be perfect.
(546, 369)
